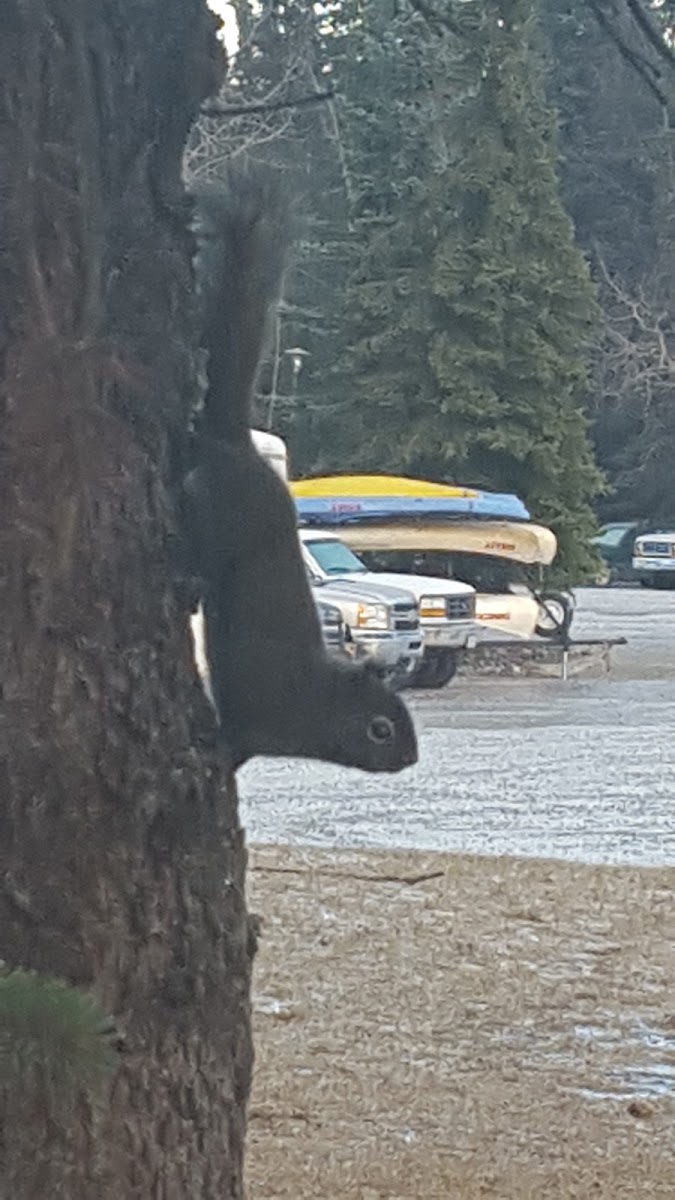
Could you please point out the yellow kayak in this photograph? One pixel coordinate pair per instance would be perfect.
(518, 541)
(378, 485)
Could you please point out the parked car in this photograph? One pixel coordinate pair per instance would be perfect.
(381, 624)
(654, 559)
(615, 544)
(446, 607)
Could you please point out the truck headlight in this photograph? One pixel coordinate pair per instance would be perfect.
(330, 615)
(372, 616)
(433, 606)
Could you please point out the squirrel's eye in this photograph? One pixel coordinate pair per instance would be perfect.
(380, 730)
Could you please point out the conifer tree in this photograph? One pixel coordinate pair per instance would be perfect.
(451, 313)
(514, 308)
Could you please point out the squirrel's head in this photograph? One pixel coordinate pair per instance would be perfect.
(371, 727)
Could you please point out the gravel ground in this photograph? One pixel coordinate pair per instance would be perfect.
(496, 1020)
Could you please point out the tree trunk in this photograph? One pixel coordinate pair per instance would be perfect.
(121, 858)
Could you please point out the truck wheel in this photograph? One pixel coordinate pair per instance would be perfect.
(436, 670)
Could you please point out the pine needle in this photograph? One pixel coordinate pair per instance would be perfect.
(53, 1038)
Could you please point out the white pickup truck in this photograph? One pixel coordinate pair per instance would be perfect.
(381, 624)
(654, 559)
(446, 606)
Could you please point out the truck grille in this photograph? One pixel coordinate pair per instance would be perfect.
(332, 635)
(656, 548)
(405, 617)
(460, 608)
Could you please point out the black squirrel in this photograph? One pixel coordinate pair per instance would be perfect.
(275, 689)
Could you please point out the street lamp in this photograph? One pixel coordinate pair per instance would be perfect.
(297, 356)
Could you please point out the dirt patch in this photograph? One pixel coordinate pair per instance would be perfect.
(437, 1026)
(542, 660)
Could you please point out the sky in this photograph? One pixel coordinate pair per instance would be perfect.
(225, 11)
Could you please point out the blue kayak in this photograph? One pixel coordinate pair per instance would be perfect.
(344, 510)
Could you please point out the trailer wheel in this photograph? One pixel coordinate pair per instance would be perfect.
(555, 615)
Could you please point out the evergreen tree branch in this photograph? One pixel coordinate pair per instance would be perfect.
(52, 1037)
(436, 20)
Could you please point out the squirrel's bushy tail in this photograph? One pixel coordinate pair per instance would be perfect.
(242, 227)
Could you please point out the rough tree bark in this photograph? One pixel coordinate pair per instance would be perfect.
(121, 858)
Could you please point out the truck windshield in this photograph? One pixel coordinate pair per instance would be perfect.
(335, 558)
(612, 535)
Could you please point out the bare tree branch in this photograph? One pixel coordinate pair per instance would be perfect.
(651, 32)
(334, 133)
(639, 355)
(644, 68)
(215, 109)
